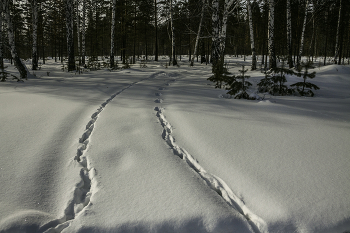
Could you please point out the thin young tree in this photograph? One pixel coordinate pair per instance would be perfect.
(34, 5)
(173, 55)
(1, 43)
(289, 34)
(199, 32)
(215, 20)
(156, 30)
(336, 52)
(251, 29)
(83, 32)
(271, 31)
(112, 65)
(77, 4)
(70, 35)
(303, 34)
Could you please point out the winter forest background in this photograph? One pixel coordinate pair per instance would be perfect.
(186, 116)
(81, 30)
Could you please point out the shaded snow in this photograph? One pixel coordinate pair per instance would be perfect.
(283, 160)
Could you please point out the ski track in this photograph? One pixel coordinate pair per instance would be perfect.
(214, 182)
(84, 189)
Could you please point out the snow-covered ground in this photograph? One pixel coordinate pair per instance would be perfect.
(159, 149)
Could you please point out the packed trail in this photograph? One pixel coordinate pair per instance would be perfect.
(159, 149)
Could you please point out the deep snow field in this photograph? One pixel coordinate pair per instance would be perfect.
(159, 149)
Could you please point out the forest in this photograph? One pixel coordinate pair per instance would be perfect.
(77, 32)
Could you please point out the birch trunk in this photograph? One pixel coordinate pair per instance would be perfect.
(156, 29)
(289, 34)
(35, 34)
(271, 30)
(198, 33)
(78, 28)
(70, 36)
(337, 36)
(302, 34)
(1, 43)
(215, 47)
(172, 35)
(114, 2)
(10, 32)
(83, 33)
(252, 44)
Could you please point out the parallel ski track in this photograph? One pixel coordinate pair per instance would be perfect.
(83, 191)
(214, 182)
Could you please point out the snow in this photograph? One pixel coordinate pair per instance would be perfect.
(160, 150)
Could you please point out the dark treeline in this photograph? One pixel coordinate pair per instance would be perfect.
(144, 28)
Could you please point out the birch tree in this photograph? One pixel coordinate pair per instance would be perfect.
(215, 20)
(271, 31)
(252, 44)
(199, 32)
(70, 35)
(83, 32)
(302, 34)
(336, 52)
(289, 34)
(173, 59)
(1, 42)
(34, 6)
(77, 4)
(114, 2)
(219, 28)
(156, 30)
(10, 32)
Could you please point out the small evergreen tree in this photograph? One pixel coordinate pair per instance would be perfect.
(302, 85)
(279, 78)
(220, 74)
(266, 83)
(238, 85)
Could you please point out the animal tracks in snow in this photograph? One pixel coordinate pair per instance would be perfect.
(214, 182)
(84, 189)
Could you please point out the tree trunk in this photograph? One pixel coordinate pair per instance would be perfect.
(83, 32)
(1, 42)
(337, 35)
(302, 34)
(172, 35)
(114, 2)
(35, 34)
(271, 30)
(252, 44)
(198, 33)
(156, 30)
(78, 29)
(70, 35)
(289, 34)
(10, 32)
(215, 47)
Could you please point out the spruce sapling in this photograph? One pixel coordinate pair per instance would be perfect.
(302, 85)
(237, 85)
(279, 78)
(220, 74)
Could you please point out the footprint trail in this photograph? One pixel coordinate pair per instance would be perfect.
(214, 182)
(85, 188)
